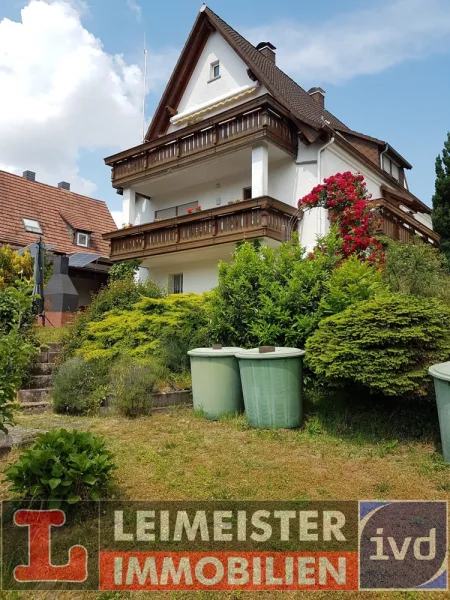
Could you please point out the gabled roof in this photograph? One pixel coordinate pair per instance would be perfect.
(281, 86)
(52, 207)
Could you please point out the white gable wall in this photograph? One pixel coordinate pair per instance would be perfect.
(233, 76)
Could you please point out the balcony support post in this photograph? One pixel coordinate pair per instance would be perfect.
(260, 170)
(128, 206)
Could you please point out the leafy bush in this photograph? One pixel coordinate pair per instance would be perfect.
(268, 296)
(351, 282)
(132, 381)
(154, 328)
(14, 267)
(63, 466)
(15, 358)
(416, 268)
(117, 295)
(16, 308)
(126, 269)
(385, 345)
(79, 387)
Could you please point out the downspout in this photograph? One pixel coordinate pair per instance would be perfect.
(319, 159)
(382, 154)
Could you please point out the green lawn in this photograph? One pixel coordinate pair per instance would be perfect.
(339, 454)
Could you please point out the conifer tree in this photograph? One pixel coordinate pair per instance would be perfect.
(441, 198)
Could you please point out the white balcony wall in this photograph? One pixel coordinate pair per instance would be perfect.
(282, 181)
(207, 195)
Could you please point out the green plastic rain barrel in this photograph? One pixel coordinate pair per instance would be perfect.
(272, 383)
(441, 376)
(216, 384)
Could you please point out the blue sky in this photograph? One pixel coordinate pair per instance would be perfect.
(385, 69)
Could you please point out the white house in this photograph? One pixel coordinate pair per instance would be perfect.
(233, 145)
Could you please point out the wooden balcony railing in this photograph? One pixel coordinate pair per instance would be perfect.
(250, 219)
(225, 132)
(400, 225)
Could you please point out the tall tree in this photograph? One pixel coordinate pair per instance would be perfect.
(441, 198)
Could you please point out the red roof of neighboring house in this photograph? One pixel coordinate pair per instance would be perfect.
(54, 208)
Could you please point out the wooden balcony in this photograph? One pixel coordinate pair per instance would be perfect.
(259, 119)
(247, 220)
(400, 225)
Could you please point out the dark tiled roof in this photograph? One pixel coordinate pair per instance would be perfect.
(21, 198)
(288, 91)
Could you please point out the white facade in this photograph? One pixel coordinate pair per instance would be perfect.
(219, 82)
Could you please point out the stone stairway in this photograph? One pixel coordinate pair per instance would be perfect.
(36, 397)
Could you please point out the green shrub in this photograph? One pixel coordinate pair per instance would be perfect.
(351, 282)
(14, 266)
(126, 269)
(384, 345)
(132, 381)
(65, 466)
(165, 328)
(268, 296)
(16, 308)
(117, 295)
(16, 354)
(416, 268)
(79, 387)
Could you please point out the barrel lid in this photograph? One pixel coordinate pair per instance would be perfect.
(270, 353)
(440, 371)
(215, 351)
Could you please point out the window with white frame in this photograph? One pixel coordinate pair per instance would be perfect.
(82, 239)
(215, 70)
(31, 225)
(176, 283)
(390, 167)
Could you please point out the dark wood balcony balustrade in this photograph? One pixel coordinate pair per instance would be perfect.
(250, 219)
(225, 132)
(399, 225)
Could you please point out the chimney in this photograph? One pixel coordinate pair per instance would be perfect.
(318, 94)
(63, 185)
(268, 50)
(29, 175)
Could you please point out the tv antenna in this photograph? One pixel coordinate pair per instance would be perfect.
(145, 87)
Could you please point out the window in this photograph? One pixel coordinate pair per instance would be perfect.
(176, 283)
(82, 239)
(391, 168)
(31, 225)
(166, 213)
(215, 70)
(247, 193)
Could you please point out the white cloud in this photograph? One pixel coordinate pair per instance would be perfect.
(136, 9)
(364, 42)
(61, 93)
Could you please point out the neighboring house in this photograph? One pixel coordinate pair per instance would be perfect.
(232, 126)
(68, 223)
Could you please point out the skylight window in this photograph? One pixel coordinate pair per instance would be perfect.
(31, 225)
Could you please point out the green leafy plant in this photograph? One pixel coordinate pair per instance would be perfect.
(416, 268)
(384, 345)
(16, 307)
(132, 382)
(63, 466)
(126, 269)
(80, 387)
(271, 296)
(14, 266)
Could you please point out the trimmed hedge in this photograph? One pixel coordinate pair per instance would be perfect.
(385, 344)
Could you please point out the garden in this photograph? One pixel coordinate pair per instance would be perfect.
(372, 315)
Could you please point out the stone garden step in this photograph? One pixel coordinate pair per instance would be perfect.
(37, 395)
(53, 357)
(37, 382)
(36, 407)
(42, 368)
(54, 347)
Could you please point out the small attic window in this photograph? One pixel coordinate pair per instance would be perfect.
(82, 239)
(31, 225)
(215, 70)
